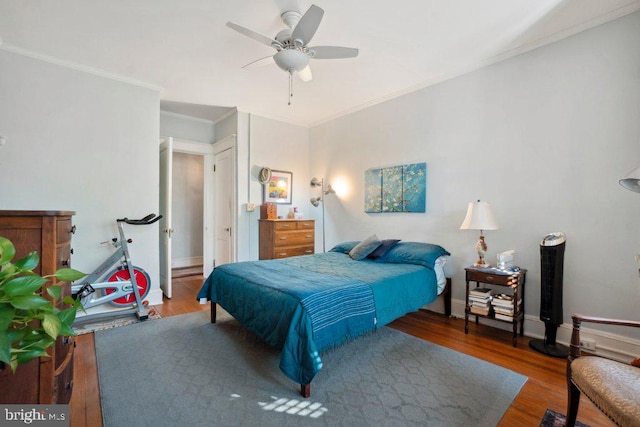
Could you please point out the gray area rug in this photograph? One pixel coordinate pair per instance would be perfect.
(183, 370)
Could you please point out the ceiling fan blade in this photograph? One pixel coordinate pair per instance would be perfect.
(308, 25)
(259, 63)
(261, 38)
(305, 74)
(332, 52)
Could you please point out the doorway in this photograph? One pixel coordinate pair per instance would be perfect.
(186, 193)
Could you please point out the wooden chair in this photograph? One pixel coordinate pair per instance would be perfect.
(614, 387)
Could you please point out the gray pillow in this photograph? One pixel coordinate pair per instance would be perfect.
(364, 248)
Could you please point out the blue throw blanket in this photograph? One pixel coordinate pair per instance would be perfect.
(306, 305)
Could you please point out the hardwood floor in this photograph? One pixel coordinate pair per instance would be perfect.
(546, 387)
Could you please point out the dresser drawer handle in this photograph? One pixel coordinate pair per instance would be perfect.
(69, 385)
(286, 225)
(283, 237)
(282, 254)
(308, 236)
(490, 279)
(71, 251)
(65, 263)
(308, 251)
(73, 230)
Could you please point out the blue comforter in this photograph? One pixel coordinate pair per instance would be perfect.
(306, 305)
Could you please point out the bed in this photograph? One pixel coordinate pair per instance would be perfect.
(309, 304)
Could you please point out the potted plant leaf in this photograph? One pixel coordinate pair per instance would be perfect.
(30, 320)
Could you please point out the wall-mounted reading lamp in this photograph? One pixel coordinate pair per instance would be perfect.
(315, 201)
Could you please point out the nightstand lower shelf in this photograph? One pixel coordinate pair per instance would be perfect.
(491, 276)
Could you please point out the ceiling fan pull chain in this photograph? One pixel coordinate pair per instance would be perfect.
(290, 87)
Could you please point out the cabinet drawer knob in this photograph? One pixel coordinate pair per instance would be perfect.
(69, 385)
(65, 263)
(73, 229)
(71, 251)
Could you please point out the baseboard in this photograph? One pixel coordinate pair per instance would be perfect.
(609, 345)
(186, 262)
(154, 296)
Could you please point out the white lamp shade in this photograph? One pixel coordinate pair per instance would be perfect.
(632, 180)
(479, 217)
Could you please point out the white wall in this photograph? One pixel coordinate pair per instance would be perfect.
(80, 142)
(264, 142)
(187, 209)
(279, 146)
(544, 137)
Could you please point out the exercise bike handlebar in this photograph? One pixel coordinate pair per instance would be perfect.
(149, 219)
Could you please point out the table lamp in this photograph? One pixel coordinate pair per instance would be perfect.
(479, 217)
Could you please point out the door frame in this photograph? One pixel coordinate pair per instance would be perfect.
(206, 150)
(229, 142)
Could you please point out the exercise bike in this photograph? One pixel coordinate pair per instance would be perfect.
(117, 287)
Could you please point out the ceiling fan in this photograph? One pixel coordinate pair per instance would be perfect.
(291, 44)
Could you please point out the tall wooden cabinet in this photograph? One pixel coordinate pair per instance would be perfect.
(46, 380)
(282, 238)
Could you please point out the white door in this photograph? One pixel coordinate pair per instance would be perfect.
(166, 169)
(223, 206)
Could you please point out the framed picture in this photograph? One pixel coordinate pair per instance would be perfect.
(396, 189)
(278, 189)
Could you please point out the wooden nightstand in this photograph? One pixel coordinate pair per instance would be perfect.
(497, 278)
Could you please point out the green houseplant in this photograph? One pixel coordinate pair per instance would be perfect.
(30, 320)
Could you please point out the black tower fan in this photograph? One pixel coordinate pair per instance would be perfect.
(551, 269)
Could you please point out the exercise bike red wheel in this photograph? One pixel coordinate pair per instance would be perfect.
(122, 274)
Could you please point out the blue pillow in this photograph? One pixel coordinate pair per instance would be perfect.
(384, 247)
(344, 247)
(424, 254)
(364, 248)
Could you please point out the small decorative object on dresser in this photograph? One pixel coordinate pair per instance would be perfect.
(283, 238)
(268, 211)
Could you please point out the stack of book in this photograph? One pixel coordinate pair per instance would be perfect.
(504, 307)
(480, 301)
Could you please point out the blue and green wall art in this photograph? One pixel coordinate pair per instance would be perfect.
(396, 189)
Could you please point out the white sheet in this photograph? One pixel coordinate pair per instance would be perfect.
(439, 269)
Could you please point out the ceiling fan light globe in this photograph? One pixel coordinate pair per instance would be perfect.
(291, 59)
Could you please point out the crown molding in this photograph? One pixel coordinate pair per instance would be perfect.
(187, 117)
(78, 67)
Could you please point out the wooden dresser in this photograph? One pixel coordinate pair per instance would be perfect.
(282, 238)
(47, 380)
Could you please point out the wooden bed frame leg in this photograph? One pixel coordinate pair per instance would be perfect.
(213, 312)
(447, 298)
(305, 390)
